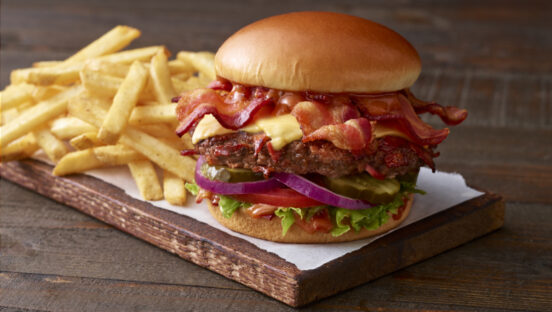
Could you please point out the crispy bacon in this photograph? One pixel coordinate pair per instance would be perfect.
(232, 114)
(220, 84)
(395, 111)
(188, 152)
(346, 120)
(450, 115)
(313, 115)
(354, 134)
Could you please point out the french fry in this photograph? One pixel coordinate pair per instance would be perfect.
(25, 106)
(188, 85)
(181, 67)
(164, 155)
(129, 56)
(181, 76)
(161, 153)
(47, 63)
(146, 179)
(202, 61)
(115, 155)
(65, 128)
(166, 134)
(36, 115)
(44, 93)
(112, 41)
(23, 147)
(76, 162)
(109, 68)
(9, 114)
(173, 189)
(100, 84)
(87, 109)
(54, 148)
(43, 76)
(14, 95)
(161, 78)
(85, 140)
(125, 99)
(153, 114)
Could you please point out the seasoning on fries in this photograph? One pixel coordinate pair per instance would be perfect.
(105, 107)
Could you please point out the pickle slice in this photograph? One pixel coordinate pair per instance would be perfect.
(365, 187)
(226, 174)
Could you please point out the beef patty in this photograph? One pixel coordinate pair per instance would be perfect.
(244, 150)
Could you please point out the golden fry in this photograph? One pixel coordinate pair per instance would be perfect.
(47, 63)
(88, 109)
(117, 117)
(173, 189)
(161, 78)
(204, 62)
(115, 155)
(76, 162)
(65, 128)
(9, 114)
(24, 147)
(36, 115)
(85, 140)
(54, 148)
(112, 41)
(44, 93)
(108, 68)
(161, 153)
(153, 114)
(60, 75)
(14, 95)
(167, 134)
(100, 84)
(129, 56)
(181, 67)
(146, 179)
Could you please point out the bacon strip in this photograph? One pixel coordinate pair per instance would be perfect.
(417, 129)
(196, 104)
(450, 115)
(396, 111)
(354, 134)
(313, 115)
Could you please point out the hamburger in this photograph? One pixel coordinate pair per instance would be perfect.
(310, 133)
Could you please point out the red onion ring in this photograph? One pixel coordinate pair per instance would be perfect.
(312, 190)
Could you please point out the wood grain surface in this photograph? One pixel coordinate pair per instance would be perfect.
(491, 57)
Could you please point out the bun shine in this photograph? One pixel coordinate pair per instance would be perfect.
(319, 51)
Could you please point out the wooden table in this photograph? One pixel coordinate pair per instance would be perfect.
(492, 58)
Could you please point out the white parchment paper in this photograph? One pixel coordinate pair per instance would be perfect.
(444, 190)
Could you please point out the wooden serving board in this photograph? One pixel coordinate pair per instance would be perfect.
(245, 263)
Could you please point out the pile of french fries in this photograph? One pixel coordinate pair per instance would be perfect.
(105, 107)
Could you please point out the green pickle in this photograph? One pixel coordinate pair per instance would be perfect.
(232, 175)
(365, 187)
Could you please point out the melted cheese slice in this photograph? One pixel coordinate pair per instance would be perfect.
(282, 130)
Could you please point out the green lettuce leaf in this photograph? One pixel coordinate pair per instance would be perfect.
(370, 219)
(228, 206)
(287, 216)
(192, 188)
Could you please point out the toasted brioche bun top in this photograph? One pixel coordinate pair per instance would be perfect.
(271, 230)
(319, 51)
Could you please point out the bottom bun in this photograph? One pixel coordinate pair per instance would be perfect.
(271, 230)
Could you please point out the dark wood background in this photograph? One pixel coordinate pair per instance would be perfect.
(492, 57)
